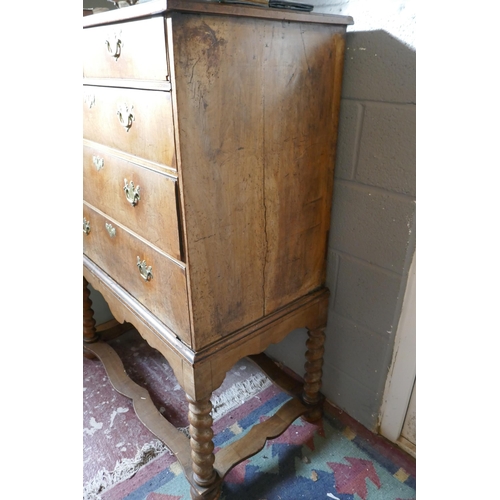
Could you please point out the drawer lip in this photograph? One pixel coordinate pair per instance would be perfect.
(136, 160)
(143, 138)
(139, 310)
(116, 51)
(103, 188)
(165, 86)
(140, 11)
(165, 295)
(179, 263)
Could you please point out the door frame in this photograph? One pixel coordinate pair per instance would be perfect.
(402, 373)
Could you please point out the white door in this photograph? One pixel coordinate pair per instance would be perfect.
(409, 431)
(398, 422)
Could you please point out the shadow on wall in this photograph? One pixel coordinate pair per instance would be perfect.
(388, 62)
(372, 233)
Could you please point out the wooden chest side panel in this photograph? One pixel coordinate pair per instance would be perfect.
(302, 94)
(256, 102)
(221, 143)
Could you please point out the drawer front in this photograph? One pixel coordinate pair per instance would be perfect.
(133, 50)
(138, 122)
(137, 197)
(165, 294)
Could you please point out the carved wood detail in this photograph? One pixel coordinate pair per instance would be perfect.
(313, 367)
(89, 330)
(256, 438)
(202, 446)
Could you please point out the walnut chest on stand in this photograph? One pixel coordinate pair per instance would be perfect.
(209, 137)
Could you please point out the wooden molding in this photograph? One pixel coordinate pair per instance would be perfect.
(256, 438)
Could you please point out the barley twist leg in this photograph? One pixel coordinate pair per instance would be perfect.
(202, 446)
(313, 368)
(89, 331)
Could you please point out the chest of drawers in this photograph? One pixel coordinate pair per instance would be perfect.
(209, 136)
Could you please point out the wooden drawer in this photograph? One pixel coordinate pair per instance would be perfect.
(154, 214)
(146, 126)
(165, 295)
(133, 50)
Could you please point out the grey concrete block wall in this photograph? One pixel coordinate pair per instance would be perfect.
(372, 234)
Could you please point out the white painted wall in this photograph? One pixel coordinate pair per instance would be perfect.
(396, 17)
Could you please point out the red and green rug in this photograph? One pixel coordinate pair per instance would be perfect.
(337, 459)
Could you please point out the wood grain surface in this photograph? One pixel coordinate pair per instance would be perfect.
(154, 217)
(151, 133)
(164, 295)
(255, 122)
(139, 47)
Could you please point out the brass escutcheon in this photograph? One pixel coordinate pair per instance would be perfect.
(86, 226)
(89, 100)
(111, 230)
(126, 115)
(98, 162)
(114, 45)
(132, 193)
(145, 270)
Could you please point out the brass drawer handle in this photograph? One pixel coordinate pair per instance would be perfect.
(126, 115)
(98, 162)
(89, 100)
(114, 45)
(145, 270)
(111, 230)
(132, 193)
(86, 226)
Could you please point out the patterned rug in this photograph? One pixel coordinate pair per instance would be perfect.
(337, 459)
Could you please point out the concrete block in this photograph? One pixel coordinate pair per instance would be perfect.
(332, 265)
(339, 387)
(350, 119)
(358, 352)
(387, 150)
(379, 67)
(351, 396)
(367, 295)
(291, 351)
(372, 225)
